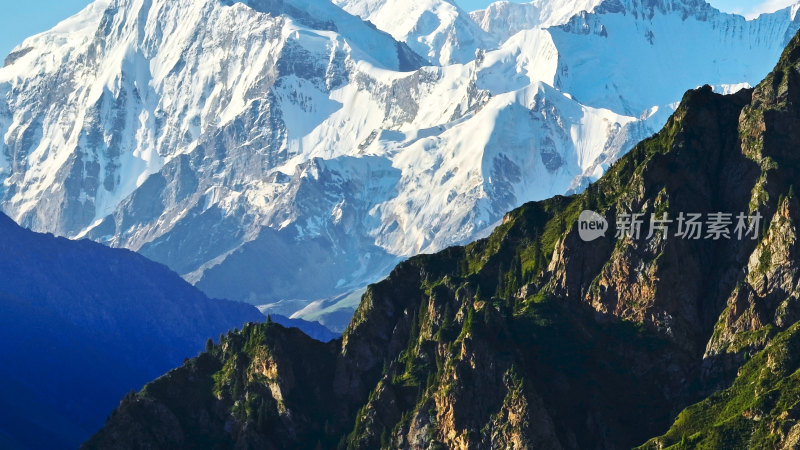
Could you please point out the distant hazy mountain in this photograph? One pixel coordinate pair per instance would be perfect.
(82, 324)
(289, 151)
(312, 329)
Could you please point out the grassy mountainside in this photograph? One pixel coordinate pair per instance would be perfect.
(760, 410)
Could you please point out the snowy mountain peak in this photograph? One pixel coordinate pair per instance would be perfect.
(700, 9)
(647, 30)
(324, 15)
(504, 19)
(136, 66)
(437, 29)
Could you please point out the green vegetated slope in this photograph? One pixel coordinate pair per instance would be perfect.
(533, 338)
(760, 409)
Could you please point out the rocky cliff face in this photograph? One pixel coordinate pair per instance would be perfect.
(534, 337)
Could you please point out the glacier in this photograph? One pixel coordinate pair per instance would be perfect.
(289, 152)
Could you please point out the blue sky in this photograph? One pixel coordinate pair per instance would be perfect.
(22, 19)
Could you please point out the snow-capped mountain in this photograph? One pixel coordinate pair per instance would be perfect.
(655, 65)
(288, 150)
(436, 29)
(504, 19)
